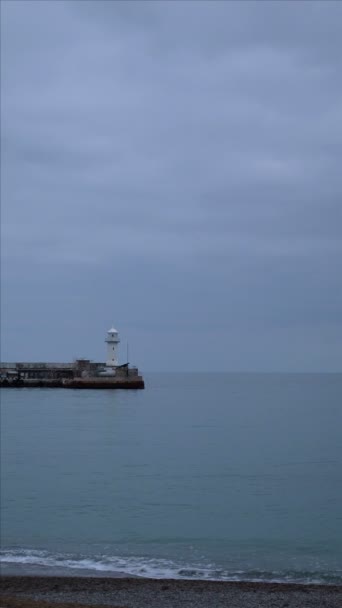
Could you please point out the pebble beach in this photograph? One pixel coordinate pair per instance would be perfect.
(66, 592)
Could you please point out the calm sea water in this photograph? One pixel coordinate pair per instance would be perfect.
(220, 476)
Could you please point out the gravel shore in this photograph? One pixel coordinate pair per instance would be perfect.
(68, 592)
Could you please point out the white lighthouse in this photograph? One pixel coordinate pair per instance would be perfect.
(112, 347)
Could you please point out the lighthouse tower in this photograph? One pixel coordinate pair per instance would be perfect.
(112, 347)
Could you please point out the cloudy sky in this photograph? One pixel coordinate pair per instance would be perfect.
(173, 168)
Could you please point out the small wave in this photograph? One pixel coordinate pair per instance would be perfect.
(157, 568)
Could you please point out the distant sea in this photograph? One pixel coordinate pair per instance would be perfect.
(208, 476)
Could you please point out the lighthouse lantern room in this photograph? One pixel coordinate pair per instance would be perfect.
(112, 347)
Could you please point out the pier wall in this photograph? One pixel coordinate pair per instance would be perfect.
(81, 373)
(77, 383)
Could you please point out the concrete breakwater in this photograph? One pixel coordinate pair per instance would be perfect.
(79, 374)
(75, 383)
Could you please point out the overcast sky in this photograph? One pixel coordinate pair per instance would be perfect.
(174, 169)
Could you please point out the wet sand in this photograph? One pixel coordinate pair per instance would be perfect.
(70, 592)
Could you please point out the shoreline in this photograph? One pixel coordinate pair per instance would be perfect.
(41, 591)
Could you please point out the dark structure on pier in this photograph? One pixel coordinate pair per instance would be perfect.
(82, 373)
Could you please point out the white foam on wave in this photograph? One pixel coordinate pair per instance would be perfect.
(157, 568)
(134, 566)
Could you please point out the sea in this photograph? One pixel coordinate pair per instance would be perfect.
(232, 477)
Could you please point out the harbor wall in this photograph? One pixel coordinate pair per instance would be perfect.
(77, 383)
(81, 373)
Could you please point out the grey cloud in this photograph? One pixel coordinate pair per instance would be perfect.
(170, 166)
